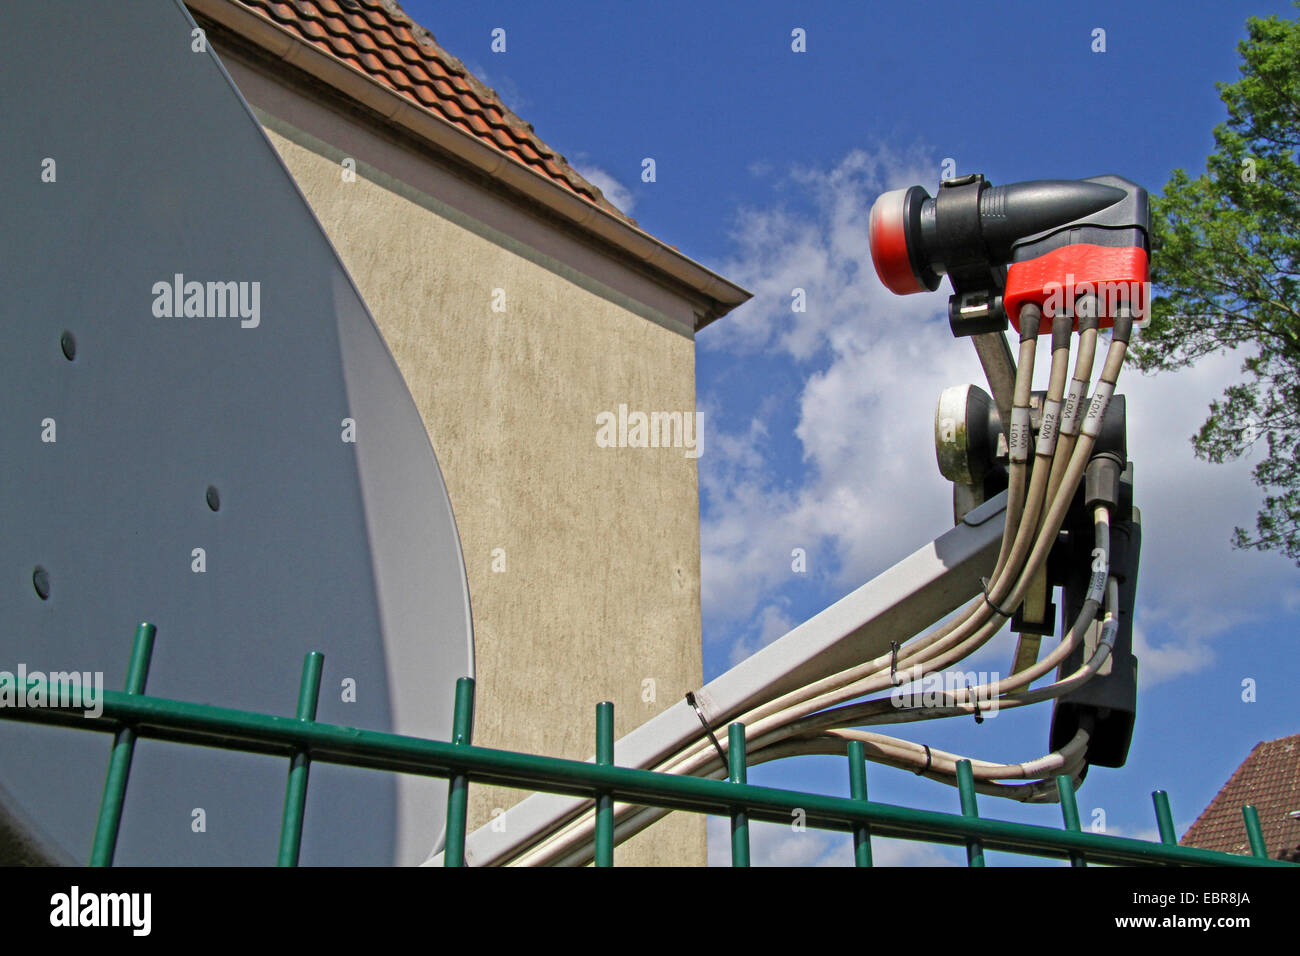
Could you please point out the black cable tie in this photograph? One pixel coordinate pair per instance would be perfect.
(929, 760)
(984, 586)
(979, 718)
(893, 663)
(690, 699)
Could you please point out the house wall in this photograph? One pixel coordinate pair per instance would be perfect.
(600, 589)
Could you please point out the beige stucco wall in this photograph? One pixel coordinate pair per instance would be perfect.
(600, 591)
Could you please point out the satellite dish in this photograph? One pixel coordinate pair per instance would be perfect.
(204, 429)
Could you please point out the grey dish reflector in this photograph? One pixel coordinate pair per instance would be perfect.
(202, 428)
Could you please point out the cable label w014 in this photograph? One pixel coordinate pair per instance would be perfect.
(1076, 398)
(1097, 410)
(1018, 439)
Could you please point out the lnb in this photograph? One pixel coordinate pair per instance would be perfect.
(1067, 246)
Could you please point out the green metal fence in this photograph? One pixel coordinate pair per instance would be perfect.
(131, 714)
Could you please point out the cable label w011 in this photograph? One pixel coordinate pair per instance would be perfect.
(1076, 397)
(1018, 439)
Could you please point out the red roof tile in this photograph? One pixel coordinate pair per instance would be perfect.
(377, 38)
(1270, 779)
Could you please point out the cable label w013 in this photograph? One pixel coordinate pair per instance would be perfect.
(1047, 429)
(1018, 439)
(1076, 397)
(1097, 410)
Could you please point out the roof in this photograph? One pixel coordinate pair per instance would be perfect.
(373, 54)
(379, 39)
(1270, 779)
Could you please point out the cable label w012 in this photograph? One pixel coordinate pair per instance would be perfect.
(1076, 397)
(1018, 439)
(1047, 429)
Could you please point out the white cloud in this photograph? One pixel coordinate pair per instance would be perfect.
(772, 844)
(772, 622)
(614, 190)
(826, 254)
(886, 852)
(1193, 586)
(1145, 834)
(866, 410)
(1173, 659)
(505, 88)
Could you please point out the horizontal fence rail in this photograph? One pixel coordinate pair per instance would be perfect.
(302, 740)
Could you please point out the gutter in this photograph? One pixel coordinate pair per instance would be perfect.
(721, 294)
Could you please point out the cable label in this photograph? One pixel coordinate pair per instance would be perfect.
(1018, 440)
(1047, 430)
(1100, 571)
(1076, 397)
(1097, 410)
(1097, 586)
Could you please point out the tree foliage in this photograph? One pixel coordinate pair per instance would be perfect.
(1224, 263)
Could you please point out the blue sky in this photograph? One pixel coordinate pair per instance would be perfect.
(819, 425)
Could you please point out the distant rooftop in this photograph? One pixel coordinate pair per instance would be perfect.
(1270, 779)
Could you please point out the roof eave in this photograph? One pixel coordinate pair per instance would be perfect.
(720, 294)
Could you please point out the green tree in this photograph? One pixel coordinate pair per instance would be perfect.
(1224, 264)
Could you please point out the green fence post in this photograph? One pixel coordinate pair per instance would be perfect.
(1164, 818)
(1070, 813)
(462, 726)
(858, 791)
(604, 801)
(739, 818)
(119, 761)
(295, 795)
(966, 788)
(1254, 832)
